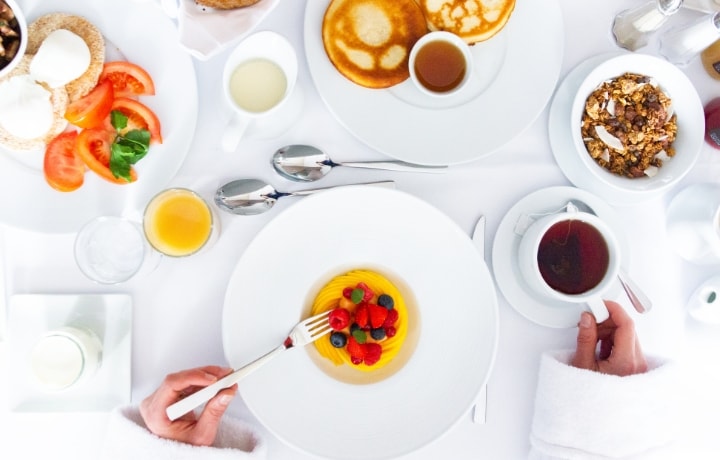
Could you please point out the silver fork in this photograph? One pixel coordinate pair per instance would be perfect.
(303, 333)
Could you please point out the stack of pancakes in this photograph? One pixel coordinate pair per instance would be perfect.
(369, 41)
(62, 96)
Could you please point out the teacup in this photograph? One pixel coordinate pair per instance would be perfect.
(571, 257)
(65, 357)
(440, 63)
(258, 79)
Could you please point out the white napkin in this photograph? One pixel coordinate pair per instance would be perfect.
(581, 414)
(207, 31)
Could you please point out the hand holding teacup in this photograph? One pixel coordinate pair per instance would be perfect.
(572, 257)
(258, 79)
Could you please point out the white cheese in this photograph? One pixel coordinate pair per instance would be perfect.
(61, 58)
(25, 107)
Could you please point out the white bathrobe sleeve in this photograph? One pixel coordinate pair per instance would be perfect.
(127, 438)
(582, 414)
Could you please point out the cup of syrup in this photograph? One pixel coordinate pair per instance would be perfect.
(572, 257)
(440, 63)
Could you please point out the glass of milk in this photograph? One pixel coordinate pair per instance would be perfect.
(258, 79)
(65, 357)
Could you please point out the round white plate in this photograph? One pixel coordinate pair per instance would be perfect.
(439, 271)
(517, 73)
(145, 36)
(546, 312)
(568, 157)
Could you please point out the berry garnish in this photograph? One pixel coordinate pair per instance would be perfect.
(391, 319)
(362, 316)
(377, 315)
(355, 350)
(347, 292)
(368, 294)
(377, 333)
(386, 301)
(338, 339)
(339, 319)
(373, 352)
(390, 331)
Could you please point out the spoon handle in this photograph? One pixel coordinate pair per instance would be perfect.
(395, 166)
(386, 184)
(637, 297)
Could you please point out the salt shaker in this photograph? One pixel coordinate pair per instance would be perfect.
(679, 45)
(632, 28)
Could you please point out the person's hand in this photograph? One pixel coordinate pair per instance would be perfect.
(197, 430)
(619, 353)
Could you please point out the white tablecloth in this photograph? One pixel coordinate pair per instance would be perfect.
(177, 307)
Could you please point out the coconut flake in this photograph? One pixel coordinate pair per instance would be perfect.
(611, 107)
(609, 140)
(605, 156)
(651, 171)
(662, 155)
(670, 112)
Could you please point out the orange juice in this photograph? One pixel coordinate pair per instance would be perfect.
(178, 222)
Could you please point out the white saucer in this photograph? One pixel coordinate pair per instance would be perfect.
(542, 311)
(561, 141)
(109, 316)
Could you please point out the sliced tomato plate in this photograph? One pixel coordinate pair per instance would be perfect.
(128, 79)
(91, 110)
(63, 169)
(93, 148)
(139, 116)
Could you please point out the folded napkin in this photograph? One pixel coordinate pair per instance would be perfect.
(581, 414)
(128, 438)
(206, 31)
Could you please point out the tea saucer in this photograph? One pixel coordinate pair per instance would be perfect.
(522, 298)
(109, 316)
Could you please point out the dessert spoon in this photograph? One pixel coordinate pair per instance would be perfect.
(248, 197)
(305, 163)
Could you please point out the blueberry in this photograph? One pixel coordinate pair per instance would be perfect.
(386, 301)
(354, 327)
(338, 339)
(378, 333)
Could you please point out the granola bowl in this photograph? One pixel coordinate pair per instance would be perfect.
(13, 36)
(637, 124)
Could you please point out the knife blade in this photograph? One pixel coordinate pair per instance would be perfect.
(479, 410)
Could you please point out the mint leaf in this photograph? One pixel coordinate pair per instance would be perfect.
(360, 336)
(357, 295)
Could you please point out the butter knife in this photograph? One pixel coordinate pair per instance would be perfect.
(479, 410)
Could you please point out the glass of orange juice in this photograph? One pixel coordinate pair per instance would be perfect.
(178, 222)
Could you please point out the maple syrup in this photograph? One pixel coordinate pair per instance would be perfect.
(440, 66)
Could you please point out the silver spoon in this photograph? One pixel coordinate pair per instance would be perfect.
(247, 197)
(305, 163)
(638, 298)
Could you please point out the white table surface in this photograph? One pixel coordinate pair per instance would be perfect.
(177, 308)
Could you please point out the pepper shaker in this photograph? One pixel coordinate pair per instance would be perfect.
(632, 28)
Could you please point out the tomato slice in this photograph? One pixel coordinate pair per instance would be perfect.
(128, 79)
(139, 116)
(93, 148)
(63, 169)
(91, 110)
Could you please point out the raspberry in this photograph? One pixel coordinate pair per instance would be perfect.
(377, 314)
(373, 351)
(355, 350)
(391, 319)
(362, 316)
(347, 292)
(339, 319)
(369, 294)
(390, 331)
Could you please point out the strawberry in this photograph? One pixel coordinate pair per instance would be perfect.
(373, 351)
(377, 314)
(355, 350)
(391, 319)
(362, 316)
(339, 319)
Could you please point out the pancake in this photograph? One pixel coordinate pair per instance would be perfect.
(226, 4)
(59, 99)
(38, 31)
(473, 20)
(369, 41)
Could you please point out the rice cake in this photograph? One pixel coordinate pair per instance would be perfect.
(38, 31)
(473, 20)
(369, 41)
(226, 4)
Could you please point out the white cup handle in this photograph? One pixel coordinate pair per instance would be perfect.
(234, 131)
(598, 308)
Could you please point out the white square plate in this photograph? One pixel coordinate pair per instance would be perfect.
(32, 315)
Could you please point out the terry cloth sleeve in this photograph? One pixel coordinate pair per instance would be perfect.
(582, 414)
(127, 438)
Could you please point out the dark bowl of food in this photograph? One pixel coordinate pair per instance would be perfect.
(13, 36)
(637, 124)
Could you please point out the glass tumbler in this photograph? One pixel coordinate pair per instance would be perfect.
(680, 44)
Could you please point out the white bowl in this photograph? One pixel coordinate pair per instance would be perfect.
(690, 123)
(22, 22)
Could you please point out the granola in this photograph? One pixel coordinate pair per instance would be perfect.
(628, 126)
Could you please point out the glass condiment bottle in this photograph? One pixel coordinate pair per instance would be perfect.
(712, 123)
(679, 45)
(633, 27)
(710, 58)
